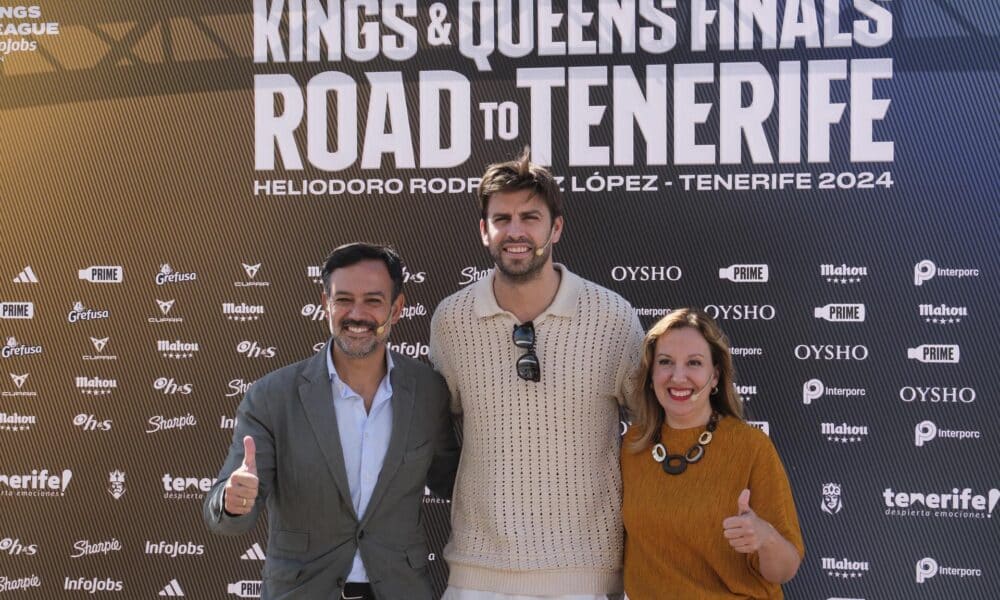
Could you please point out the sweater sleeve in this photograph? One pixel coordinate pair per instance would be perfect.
(771, 497)
(625, 378)
(440, 357)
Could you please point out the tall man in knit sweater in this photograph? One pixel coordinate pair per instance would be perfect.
(536, 510)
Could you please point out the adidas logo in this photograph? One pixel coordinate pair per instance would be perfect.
(172, 589)
(26, 276)
(251, 269)
(165, 305)
(255, 552)
(19, 379)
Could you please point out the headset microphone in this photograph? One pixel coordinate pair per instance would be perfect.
(381, 328)
(548, 240)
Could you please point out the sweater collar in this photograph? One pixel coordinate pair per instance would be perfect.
(563, 305)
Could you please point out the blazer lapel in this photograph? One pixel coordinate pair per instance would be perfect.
(403, 389)
(317, 400)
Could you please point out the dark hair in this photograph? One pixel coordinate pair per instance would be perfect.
(520, 174)
(352, 254)
(649, 415)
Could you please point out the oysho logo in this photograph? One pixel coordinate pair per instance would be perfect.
(740, 312)
(935, 353)
(926, 270)
(844, 433)
(472, 275)
(958, 504)
(165, 307)
(19, 584)
(103, 274)
(27, 275)
(176, 349)
(842, 274)
(15, 547)
(95, 386)
(845, 568)
(242, 311)
(83, 548)
(254, 349)
(814, 389)
(16, 422)
(19, 380)
(88, 422)
(646, 273)
(38, 483)
(416, 350)
(168, 275)
(168, 386)
(937, 394)
(174, 549)
(185, 488)
(245, 589)
(117, 484)
(251, 281)
(942, 314)
(745, 273)
(80, 313)
(13, 348)
(411, 277)
(831, 352)
(99, 345)
(928, 568)
(161, 423)
(93, 585)
(926, 431)
(832, 501)
(841, 313)
(17, 310)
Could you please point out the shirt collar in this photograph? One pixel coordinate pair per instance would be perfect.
(484, 303)
(332, 370)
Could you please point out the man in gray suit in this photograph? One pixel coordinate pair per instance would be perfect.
(339, 448)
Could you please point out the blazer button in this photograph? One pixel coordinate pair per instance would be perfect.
(341, 582)
(361, 534)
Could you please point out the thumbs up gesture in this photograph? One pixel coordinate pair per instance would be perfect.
(241, 487)
(746, 532)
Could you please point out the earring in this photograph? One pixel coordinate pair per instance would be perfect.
(715, 390)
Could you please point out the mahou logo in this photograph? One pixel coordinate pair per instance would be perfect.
(845, 568)
(942, 314)
(315, 274)
(842, 274)
(843, 433)
(16, 422)
(168, 275)
(176, 349)
(95, 386)
(242, 311)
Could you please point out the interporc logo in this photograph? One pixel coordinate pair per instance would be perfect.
(103, 274)
(942, 314)
(844, 433)
(845, 568)
(14, 348)
(832, 502)
(17, 310)
(746, 351)
(841, 313)
(745, 273)
(935, 353)
(928, 568)
(937, 394)
(926, 431)
(80, 313)
(842, 274)
(815, 389)
(926, 270)
(646, 273)
(168, 275)
(958, 504)
(15, 422)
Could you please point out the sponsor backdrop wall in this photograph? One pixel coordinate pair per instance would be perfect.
(819, 176)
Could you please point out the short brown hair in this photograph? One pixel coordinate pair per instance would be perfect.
(520, 174)
(649, 416)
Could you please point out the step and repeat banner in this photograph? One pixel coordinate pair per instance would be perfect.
(819, 176)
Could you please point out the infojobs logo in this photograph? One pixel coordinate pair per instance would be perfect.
(165, 307)
(647, 273)
(242, 311)
(81, 313)
(842, 274)
(251, 277)
(814, 389)
(842, 433)
(841, 313)
(17, 310)
(942, 314)
(926, 431)
(38, 483)
(745, 273)
(928, 568)
(926, 270)
(832, 502)
(845, 568)
(416, 350)
(13, 349)
(935, 353)
(103, 274)
(958, 504)
(168, 275)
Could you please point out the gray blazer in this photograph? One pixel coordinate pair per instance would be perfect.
(313, 531)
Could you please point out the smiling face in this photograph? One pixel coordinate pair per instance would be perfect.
(359, 302)
(517, 225)
(682, 377)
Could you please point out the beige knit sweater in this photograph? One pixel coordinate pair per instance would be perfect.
(537, 503)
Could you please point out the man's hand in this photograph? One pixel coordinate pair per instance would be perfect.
(241, 487)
